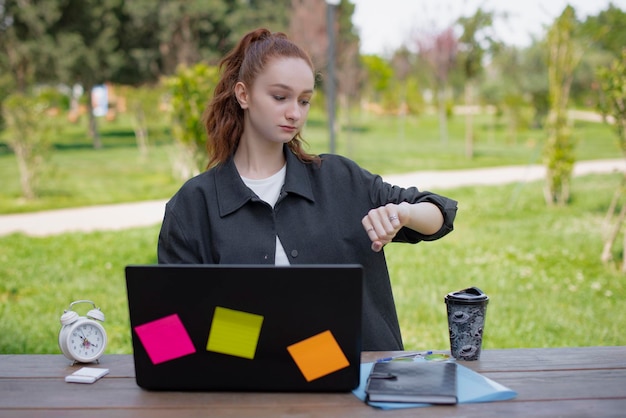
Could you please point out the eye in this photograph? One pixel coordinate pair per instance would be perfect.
(305, 102)
(279, 98)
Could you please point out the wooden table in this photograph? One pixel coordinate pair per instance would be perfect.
(588, 381)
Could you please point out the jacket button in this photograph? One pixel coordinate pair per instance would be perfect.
(294, 253)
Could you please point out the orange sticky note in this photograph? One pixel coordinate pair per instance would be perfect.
(318, 356)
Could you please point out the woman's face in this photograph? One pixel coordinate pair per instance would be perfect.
(277, 104)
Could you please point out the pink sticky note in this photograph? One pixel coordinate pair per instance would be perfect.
(165, 339)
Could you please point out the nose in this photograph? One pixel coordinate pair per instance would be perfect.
(293, 112)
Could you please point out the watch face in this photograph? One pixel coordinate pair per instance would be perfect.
(86, 342)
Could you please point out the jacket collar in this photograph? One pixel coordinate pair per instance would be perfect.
(232, 193)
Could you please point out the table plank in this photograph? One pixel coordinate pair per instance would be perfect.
(111, 392)
(541, 359)
(586, 381)
(583, 408)
(525, 359)
(564, 385)
(55, 366)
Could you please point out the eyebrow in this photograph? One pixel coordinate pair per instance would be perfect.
(286, 87)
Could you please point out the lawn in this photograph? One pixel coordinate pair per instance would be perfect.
(540, 266)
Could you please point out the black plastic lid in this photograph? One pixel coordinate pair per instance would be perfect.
(469, 296)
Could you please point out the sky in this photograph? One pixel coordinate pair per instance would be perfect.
(385, 25)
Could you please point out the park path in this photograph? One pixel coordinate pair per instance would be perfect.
(148, 213)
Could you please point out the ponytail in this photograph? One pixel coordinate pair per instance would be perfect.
(223, 117)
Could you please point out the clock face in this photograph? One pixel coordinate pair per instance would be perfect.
(86, 341)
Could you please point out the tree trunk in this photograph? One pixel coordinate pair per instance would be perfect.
(608, 244)
(469, 121)
(93, 123)
(624, 256)
(141, 131)
(562, 61)
(443, 118)
(26, 177)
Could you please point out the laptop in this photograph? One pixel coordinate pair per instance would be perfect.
(246, 327)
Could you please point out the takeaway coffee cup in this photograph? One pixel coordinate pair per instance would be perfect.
(466, 321)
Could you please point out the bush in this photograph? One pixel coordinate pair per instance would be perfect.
(28, 127)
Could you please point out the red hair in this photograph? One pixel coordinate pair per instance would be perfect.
(223, 117)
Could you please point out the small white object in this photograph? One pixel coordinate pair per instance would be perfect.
(82, 338)
(86, 375)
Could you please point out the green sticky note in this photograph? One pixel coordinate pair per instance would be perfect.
(235, 333)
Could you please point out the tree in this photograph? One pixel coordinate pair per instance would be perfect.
(146, 106)
(379, 75)
(350, 73)
(502, 89)
(308, 28)
(407, 85)
(26, 46)
(190, 88)
(564, 54)
(28, 128)
(613, 86)
(245, 15)
(607, 30)
(606, 34)
(439, 50)
(474, 42)
(87, 47)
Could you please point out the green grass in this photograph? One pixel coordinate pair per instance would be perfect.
(540, 266)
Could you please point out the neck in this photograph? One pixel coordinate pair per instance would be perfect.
(255, 162)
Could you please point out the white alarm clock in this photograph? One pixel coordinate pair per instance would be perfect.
(82, 338)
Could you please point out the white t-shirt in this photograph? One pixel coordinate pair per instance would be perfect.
(268, 189)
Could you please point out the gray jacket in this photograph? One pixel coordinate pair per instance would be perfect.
(216, 219)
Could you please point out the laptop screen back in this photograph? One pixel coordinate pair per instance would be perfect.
(246, 327)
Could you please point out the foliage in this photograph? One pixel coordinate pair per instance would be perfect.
(349, 72)
(26, 40)
(607, 30)
(564, 56)
(473, 45)
(160, 35)
(191, 89)
(407, 92)
(379, 75)
(28, 133)
(137, 42)
(439, 50)
(613, 85)
(145, 105)
(476, 40)
(547, 288)
(86, 49)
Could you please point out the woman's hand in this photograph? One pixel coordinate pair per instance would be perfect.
(383, 223)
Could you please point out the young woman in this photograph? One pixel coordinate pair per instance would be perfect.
(264, 200)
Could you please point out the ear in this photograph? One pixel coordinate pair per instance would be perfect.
(241, 94)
